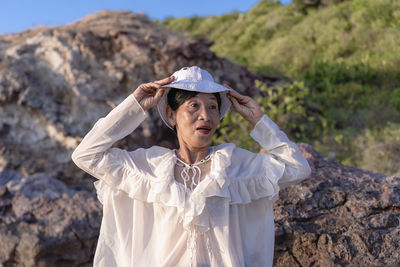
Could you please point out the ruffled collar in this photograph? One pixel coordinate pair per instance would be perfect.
(191, 206)
(163, 188)
(221, 159)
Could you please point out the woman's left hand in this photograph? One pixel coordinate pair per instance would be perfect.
(245, 106)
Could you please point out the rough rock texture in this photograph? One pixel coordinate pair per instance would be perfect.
(340, 216)
(55, 83)
(43, 222)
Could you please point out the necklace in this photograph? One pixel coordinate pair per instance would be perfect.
(191, 171)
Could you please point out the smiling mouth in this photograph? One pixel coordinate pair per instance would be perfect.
(204, 129)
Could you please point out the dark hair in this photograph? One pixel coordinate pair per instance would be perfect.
(176, 97)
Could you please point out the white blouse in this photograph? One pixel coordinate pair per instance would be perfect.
(149, 219)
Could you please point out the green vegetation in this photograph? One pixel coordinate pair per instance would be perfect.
(284, 104)
(343, 61)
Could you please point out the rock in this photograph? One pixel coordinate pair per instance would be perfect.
(340, 216)
(43, 222)
(55, 83)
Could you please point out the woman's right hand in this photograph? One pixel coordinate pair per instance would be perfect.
(149, 94)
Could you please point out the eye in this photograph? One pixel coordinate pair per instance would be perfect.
(193, 105)
(213, 106)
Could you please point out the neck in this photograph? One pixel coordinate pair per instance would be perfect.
(192, 155)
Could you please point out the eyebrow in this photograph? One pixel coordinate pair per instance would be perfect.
(210, 98)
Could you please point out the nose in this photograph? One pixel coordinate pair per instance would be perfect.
(204, 113)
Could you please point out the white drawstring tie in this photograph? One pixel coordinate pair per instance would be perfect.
(191, 173)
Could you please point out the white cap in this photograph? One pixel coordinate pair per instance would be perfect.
(197, 80)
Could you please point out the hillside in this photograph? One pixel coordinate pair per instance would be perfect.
(345, 58)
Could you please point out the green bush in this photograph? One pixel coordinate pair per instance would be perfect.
(376, 149)
(285, 105)
(380, 149)
(343, 58)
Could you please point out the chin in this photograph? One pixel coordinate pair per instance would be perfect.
(196, 139)
(200, 142)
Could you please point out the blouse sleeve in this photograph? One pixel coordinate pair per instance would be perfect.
(94, 154)
(271, 138)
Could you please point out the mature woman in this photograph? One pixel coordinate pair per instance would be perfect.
(197, 205)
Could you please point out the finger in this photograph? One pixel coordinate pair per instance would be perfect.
(148, 89)
(145, 88)
(227, 86)
(234, 102)
(151, 87)
(235, 94)
(153, 84)
(159, 94)
(165, 80)
(240, 98)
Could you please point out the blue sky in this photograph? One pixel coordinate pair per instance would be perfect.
(19, 15)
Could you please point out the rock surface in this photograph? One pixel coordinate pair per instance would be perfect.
(43, 222)
(56, 82)
(340, 216)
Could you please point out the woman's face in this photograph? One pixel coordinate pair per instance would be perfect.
(197, 119)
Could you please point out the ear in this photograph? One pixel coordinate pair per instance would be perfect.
(171, 116)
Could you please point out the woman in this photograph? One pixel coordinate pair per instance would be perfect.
(197, 205)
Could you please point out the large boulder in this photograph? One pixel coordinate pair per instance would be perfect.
(56, 82)
(43, 222)
(340, 216)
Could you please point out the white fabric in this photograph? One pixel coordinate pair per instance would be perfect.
(195, 79)
(148, 220)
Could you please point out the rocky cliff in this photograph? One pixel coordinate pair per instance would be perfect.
(56, 82)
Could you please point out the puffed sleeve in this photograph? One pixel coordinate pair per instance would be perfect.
(271, 138)
(94, 154)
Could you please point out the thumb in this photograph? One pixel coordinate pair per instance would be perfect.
(159, 94)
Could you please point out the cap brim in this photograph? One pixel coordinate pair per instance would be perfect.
(199, 86)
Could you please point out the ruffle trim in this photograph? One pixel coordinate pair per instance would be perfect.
(192, 212)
